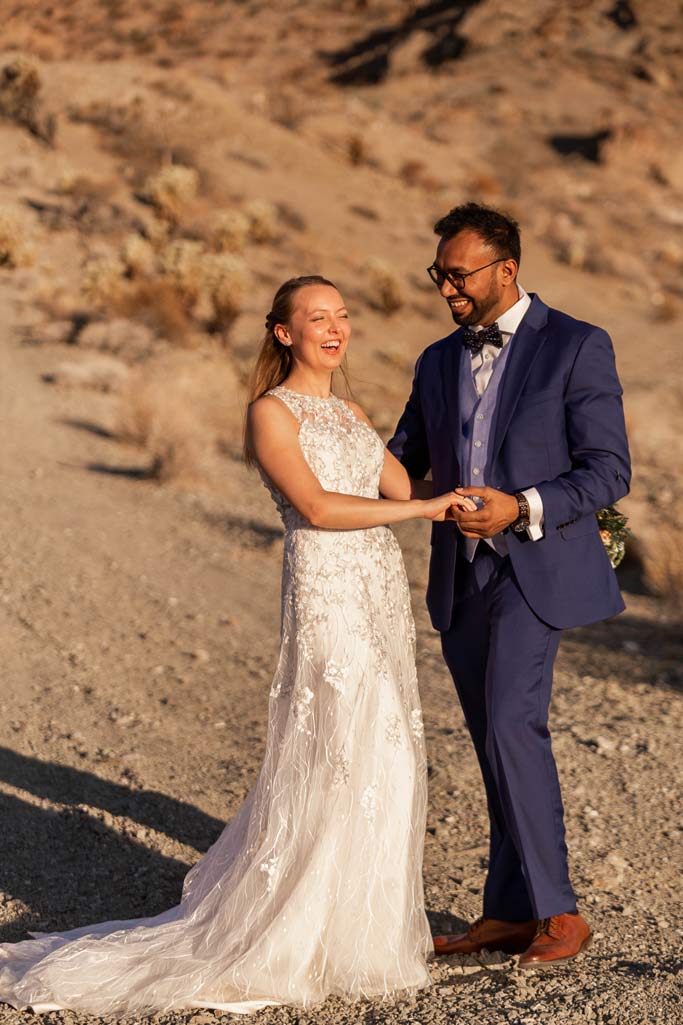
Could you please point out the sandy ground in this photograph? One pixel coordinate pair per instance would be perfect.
(138, 621)
(139, 634)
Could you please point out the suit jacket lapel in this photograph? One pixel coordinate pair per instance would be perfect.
(526, 344)
(450, 383)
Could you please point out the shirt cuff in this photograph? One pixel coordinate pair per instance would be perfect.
(536, 518)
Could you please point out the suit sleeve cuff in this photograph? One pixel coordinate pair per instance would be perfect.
(536, 519)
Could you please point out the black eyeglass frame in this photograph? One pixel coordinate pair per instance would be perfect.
(458, 280)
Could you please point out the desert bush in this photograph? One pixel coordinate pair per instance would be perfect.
(383, 287)
(226, 281)
(169, 287)
(230, 231)
(171, 190)
(15, 247)
(181, 262)
(263, 220)
(213, 282)
(663, 563)
(138, 256)
(103, 282)
(181, 408)
(157, 303)
(20, 86)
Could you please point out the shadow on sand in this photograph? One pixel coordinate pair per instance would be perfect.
(70, 867)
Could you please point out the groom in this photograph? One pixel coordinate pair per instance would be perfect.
(521, 406)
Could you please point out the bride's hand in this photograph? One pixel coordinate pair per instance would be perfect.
(438, 508)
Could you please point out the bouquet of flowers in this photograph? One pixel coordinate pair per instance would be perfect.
(614, 532)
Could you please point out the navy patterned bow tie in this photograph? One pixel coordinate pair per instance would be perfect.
(476, 340)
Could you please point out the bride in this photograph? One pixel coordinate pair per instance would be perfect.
(315, 887)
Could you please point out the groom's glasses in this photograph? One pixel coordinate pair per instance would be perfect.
(439, 275)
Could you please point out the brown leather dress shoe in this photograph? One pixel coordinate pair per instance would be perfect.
(557, 939)
(489, 934)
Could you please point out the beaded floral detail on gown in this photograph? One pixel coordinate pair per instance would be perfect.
(315, 887)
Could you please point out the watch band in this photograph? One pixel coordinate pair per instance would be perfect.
(524, 518)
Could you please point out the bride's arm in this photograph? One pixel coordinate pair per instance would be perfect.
(273, 433)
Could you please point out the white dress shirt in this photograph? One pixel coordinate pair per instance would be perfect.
(482, 368)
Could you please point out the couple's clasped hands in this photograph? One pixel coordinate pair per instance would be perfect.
(497, 510)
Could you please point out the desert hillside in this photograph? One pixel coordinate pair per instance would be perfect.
(163, 167)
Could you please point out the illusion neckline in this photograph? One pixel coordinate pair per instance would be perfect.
(304, 395)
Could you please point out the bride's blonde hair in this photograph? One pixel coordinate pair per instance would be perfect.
(274, 360)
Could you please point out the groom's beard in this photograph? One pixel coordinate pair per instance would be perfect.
(477, 311)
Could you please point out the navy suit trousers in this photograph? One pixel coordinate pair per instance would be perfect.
(501, 657)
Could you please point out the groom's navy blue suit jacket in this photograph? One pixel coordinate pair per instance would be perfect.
(559, 427)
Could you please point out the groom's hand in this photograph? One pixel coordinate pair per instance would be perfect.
(498, 511)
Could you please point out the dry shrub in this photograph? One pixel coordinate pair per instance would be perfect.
(183, 408)
(15, 247)
(210, 285)
(230, 231)
(663, 564)
(20, 86)
(181, 262)
(263, 220)
(169, 286)
(119, 284)
(226, 281)
(158, 303)
(104, 282)
(138, 256)
(384, 289)
(171, 190)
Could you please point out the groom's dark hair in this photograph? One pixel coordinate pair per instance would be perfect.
(496, 229)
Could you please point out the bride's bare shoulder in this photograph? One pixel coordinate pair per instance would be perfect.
(269, 410)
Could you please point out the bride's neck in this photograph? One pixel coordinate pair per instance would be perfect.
(317, 385)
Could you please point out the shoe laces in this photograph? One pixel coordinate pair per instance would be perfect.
(546, 927)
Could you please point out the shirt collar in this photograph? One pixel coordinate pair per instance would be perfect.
(509, 321)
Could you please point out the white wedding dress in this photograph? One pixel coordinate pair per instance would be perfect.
(315, 887)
